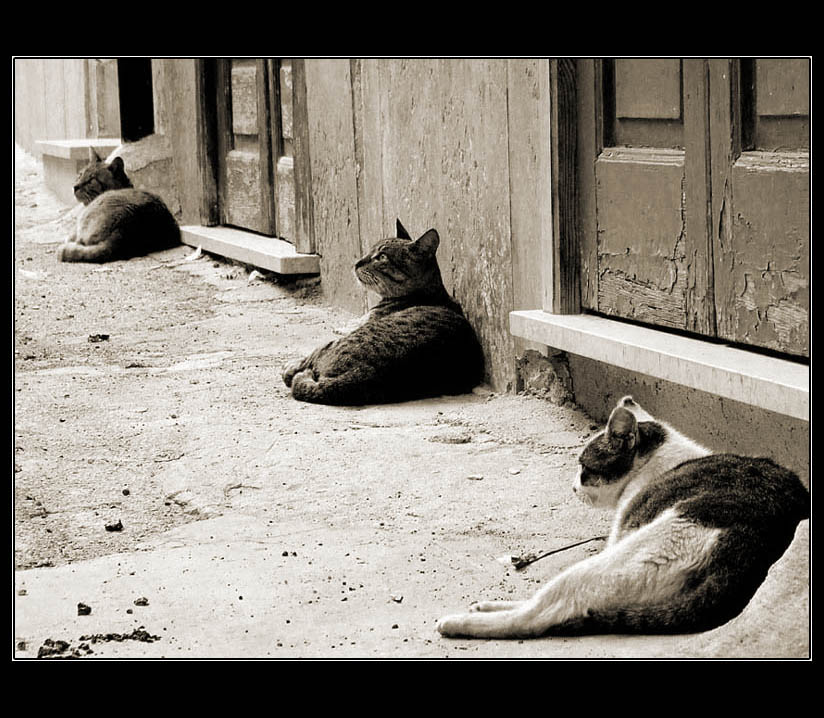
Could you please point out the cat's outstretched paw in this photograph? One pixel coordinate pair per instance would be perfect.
(489, 606)
(304, 385)
(289, 372)
(451, 626)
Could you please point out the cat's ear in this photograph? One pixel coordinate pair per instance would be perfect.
(637, 410)
(116, 165)
(400, 231)
(622, 429)
(93, 156)
(428, 241)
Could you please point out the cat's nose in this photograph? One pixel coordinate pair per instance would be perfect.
(361, 262)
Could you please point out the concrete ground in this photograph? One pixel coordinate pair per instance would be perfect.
(166, 480)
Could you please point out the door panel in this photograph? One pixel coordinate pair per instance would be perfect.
(647, 103)
(648, 89)
(780, 119)
(762, 246)
(642, 273)
(244, 136)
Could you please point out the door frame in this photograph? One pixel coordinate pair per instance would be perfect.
(212, 116)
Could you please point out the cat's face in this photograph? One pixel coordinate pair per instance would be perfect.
(398, 266)
(608, 461)
(98, 177)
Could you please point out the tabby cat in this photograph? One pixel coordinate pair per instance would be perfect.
(693, 538)
(118, 221)
(415, 342)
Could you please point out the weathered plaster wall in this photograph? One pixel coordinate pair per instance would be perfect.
(720, 424)
(64, 99)
(458, 145)
(178, 138)
(334, 185)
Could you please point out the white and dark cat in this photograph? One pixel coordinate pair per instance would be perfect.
(692, 540)
(118, 221)
(415, 342)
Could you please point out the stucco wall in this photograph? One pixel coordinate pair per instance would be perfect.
(64, 98)
(460, 145)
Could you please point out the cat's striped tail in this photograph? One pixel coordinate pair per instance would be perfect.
(74, 252)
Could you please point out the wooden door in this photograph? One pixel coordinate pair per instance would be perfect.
(689, 221)
(256, 147)
(245, 177)
(761, 201)
(283, 130)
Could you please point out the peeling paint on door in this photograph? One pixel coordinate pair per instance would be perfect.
(762, 271)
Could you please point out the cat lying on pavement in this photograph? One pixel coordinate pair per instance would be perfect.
(118, 221)
(414, 343)
(693, 537)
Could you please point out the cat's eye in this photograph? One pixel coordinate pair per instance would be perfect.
(381, 257)
(588, 477)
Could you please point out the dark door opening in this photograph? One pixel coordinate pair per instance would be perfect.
(134, 77)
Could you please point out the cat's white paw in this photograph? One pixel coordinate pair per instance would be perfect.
(490, 606)
(451, 625)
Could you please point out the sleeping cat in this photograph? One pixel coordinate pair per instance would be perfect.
(693, 537)
(415, 342)
(118, 221)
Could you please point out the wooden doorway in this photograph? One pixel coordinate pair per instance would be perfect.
(692, 181)
(255, 128)
(245, 177)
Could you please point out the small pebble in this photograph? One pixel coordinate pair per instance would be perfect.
(83, 609)
(115, 527)
(475, 477)
(141, 601)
